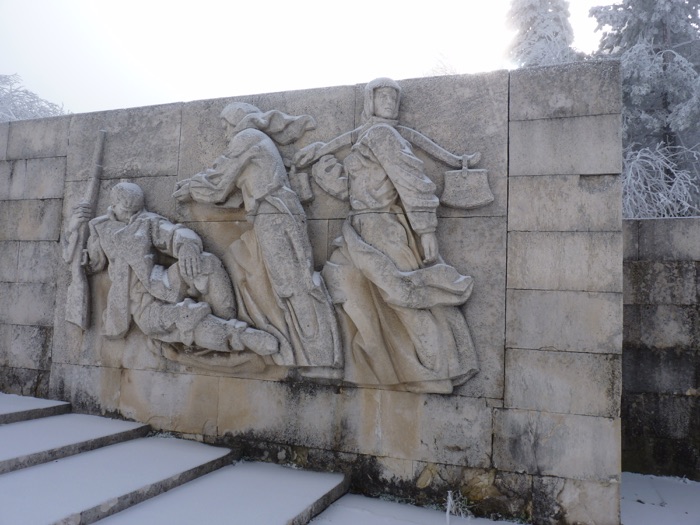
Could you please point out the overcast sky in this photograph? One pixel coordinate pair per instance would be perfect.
(92, 55)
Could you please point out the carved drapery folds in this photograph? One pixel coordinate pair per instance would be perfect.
(385, 311)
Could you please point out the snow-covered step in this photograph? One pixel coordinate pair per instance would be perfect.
(21, 408)
(29, 443)
(89, 486)
(245, 494)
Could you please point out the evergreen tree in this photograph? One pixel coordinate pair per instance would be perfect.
(18, 103)
(544, 34)
(654, 40)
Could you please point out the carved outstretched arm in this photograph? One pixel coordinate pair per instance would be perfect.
(313, 152)
(438, 152)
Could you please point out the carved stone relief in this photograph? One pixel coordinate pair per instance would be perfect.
(384, 312)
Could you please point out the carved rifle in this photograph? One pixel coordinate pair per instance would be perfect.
(78, 294)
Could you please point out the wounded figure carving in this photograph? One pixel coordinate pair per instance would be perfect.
(189, 302)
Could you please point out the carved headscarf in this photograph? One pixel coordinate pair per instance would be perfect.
(280, 127)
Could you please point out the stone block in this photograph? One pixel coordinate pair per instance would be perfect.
(9, 253)
(574, 261)
(27, 303)
(476, 246)
(563, 382)
(289, 413)
(32, 139)
(660, 282)
(565, 203)
(564, 321)
(567, 446)
(25, 346)
(140, 142)
(185, 403)
(39, 261)
(566, 146)
(662, 416)
(668, 326)
(630, 239)
(670, 239)
(557, 500)
(24, 382)
(32, 178)
(671, 371)
(4, 134)
(90, 389)
(30, 220)
(568, 90)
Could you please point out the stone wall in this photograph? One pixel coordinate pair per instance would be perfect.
(661, 364)
(535, 434)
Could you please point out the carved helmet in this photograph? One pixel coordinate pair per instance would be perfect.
(371, 87)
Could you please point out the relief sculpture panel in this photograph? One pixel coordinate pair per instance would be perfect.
(385, 311)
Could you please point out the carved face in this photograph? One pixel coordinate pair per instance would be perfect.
(386, 102)
(127, 200)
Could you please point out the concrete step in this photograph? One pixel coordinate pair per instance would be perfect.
(93, 485)
(21, 408)
(28, 443)
(244, 493)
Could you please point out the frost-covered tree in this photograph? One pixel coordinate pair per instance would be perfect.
(654, 40)
(18, 103)
(543, 32)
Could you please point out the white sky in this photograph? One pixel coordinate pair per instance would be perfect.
(93, 55)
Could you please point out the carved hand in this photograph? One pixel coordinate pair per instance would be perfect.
(182, 191)
(189, 260)
(305, 155)
(430, 247)
(82, 213)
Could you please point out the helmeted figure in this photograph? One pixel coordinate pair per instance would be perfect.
(272, 265)
(188, 302)
(398, 302)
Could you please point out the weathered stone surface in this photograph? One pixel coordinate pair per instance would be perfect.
(671, 371)
(90, 389)
(4, 133)
(318, 235)
(557, 500)
(476, 246)
(565, 203)
(565, 261)
(39, 262)
(9, 253)
(180, 402)
(660, 434)
(568, 446)
(630, 239)
(568, 146)
(400, 425)
(24, 381)
(31, 139)
(140, 142)
(27, 303)
(565, 321)
(30, 220)
(569, 90)
(669, 239)
(563, 382)
(32, 179)
(665, 282)
(25, 346)
(668, 326)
